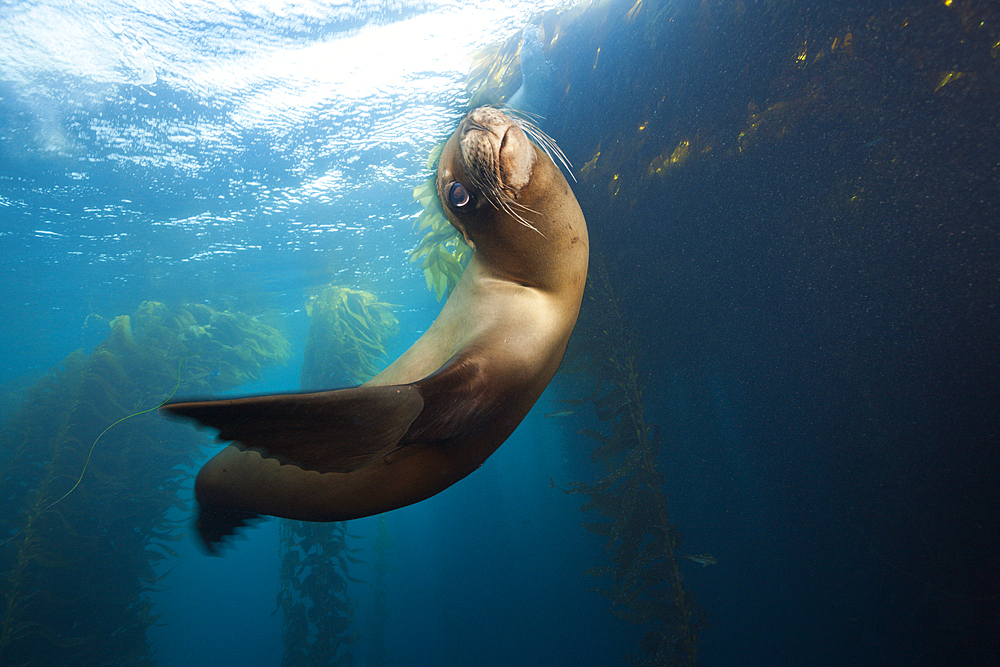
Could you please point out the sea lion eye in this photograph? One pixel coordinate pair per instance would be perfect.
(458, 195)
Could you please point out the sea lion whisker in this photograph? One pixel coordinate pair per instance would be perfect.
(508, 207)
(492, 194)
(521, 206)
(545, 142)
(521, 114)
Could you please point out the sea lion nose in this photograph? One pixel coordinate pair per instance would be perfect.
(486, 119)
(469, 124)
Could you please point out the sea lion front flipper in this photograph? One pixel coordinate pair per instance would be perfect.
(215, 524)
(326, 431)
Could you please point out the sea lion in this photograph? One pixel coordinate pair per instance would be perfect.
(436, 413)
(534, 95)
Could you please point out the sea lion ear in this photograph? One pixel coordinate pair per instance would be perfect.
(468, 240)
(517, 159)
(457, 224)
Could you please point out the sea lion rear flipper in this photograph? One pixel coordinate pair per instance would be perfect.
(327, 431)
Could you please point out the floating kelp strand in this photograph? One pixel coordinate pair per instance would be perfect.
(645, 585)
(88, 569)
(348, 333)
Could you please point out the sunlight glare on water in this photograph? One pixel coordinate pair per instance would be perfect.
(269, 65)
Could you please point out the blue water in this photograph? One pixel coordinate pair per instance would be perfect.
(812, 295)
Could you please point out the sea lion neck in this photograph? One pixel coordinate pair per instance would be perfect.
(552, 252)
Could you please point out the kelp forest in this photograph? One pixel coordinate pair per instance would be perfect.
(90, 475)
(62, 594)
(90, 478)
(348, 332)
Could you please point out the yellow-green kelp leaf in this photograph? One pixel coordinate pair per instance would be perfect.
(442, 252)
(348, 330)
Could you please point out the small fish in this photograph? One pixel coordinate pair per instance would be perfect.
(704, 559)
(560, 413)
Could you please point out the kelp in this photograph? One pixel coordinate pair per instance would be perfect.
(644, 584)
(382, 550)
(318, 612)
(443, 250)
(348, 333)
(495, 74)
(76, 570)
(348, 330)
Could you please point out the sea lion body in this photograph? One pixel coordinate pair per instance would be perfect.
(534, 96)
(441, 409)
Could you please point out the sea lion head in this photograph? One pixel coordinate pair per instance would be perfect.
(507, 197)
